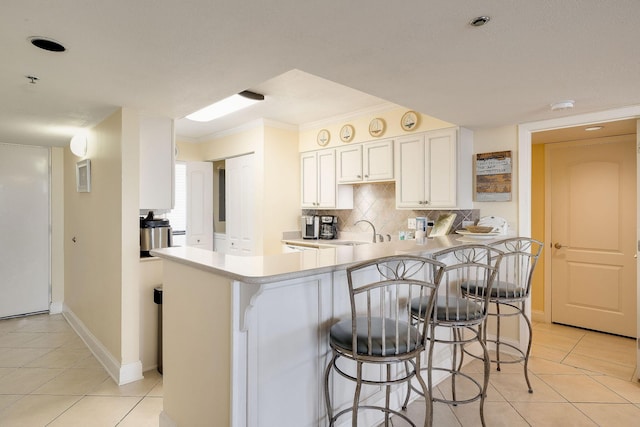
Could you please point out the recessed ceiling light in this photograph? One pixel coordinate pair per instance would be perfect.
(480, 21)
(592, 128)
(562, 105)
(47, 44)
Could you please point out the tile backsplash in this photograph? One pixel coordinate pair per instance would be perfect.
(376, 202)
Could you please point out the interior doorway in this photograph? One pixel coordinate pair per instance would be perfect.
(589, 211)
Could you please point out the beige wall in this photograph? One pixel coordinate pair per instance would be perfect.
(391, 116)
(281, 209)
(101, 266)
(500, 139)
(277, 176)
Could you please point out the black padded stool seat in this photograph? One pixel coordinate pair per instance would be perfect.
(371, 342)
(500, 289)
(451, 309)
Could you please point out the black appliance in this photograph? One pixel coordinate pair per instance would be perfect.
(328, 227)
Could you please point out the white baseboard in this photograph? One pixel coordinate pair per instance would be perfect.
(165, 421)
(55, 307)
(121, 374)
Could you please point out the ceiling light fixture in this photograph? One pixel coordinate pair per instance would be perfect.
(562, 105)
(479, 21)
(226, 106)
(47, 44)
(592, 128)
(78, 144)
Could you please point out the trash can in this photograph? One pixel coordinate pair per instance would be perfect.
(157, 298)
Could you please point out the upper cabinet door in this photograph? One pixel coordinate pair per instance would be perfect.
(440, 146)
(410, 171)
(378, 161)
(318, 182)
(349, 164)
(309, 179)
(433, 170)
(157, 160)
(368, 162)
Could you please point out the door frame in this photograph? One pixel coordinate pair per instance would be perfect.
(524, 185)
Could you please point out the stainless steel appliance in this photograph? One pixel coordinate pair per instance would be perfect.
(154, 233)
(310, 226)
(328, 227)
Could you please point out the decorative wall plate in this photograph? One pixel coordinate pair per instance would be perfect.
(323, 137)
(377, 127)
(409, 121)
(346, 133)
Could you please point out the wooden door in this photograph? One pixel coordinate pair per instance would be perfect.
(592, 190)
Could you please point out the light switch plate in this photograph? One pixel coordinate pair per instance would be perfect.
(411, 224)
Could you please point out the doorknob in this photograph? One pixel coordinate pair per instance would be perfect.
(557, 246)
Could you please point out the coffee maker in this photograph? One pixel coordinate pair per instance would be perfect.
(328, 227)
(310, 226)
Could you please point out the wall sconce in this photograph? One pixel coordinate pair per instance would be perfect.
(78, 144)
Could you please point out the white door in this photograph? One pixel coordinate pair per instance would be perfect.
(200, 204)
(593, 223)
(24, 245)
(240, 203)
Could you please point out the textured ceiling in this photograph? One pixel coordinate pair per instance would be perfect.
(172, 58)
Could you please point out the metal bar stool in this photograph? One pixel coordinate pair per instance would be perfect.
(511, 290)
(463, 314)
(380, 332)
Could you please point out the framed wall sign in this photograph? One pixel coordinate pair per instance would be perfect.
(493, 176)
(83, 176)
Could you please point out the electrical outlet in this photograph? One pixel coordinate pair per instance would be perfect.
(465, 223)
(411, 224)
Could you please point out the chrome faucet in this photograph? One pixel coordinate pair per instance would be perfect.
(372, 227)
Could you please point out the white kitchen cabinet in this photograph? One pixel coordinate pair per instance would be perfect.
(433, 170)
(370, 162)
(318, 182)
(157, 159)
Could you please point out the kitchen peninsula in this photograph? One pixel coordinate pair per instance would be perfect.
(245, 338)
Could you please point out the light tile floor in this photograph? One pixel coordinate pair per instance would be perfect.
(48, 377)
(580, 378)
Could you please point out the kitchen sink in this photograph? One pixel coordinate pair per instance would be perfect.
(346, 243)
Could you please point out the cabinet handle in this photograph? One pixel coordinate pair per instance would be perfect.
(366, 176)
(359, 176)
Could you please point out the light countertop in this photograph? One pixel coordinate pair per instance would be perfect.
(272, 268)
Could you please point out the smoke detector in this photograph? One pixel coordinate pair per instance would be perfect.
(562, 105)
